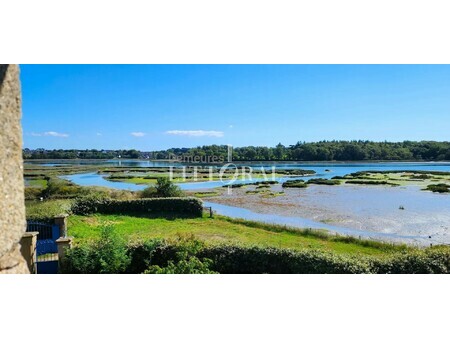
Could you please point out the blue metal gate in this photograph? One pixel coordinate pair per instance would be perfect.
(46, 247)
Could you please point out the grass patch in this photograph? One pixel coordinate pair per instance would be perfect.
(36, 183)
(294, 184)
(369, 182)
(323, 181)
(223, 230)
(201, 194)
(240, 185)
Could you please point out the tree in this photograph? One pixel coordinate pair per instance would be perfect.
(166, 188)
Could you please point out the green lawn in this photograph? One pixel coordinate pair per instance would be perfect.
(38, 183)
(219, 230)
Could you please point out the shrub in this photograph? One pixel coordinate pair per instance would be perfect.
(88, 204)
(148, 192)
(33, 193)
(57, 188)
(46, 210)
(188, 206)
(141, 254)
(184, 258)
(191, 265)
(166, 188)
(107, 255)
(121, 194)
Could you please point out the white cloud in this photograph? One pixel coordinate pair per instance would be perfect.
(230, 126)
(99, 134)
(50, 133)
(55, 134)
(137, 134)
(196, 133)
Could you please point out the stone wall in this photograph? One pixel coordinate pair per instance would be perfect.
(12, 208)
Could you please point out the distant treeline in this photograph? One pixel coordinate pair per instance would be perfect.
(326, 151)
(302, 151)
(40, 153)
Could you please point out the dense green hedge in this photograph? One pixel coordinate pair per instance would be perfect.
(188, 206)
(236, 259)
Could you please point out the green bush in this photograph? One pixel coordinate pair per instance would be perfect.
(107, 255)
(183, 259)
(89, 204)
(166, 188)
(191, 265)
(33, 193)
(46, 210)
(188, 206)
(148, 192)
(141, 254)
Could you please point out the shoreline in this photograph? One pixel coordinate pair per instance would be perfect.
(361, 208)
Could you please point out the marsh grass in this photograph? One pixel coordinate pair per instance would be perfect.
(439, 188)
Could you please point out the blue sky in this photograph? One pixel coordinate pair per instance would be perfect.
(153, 107)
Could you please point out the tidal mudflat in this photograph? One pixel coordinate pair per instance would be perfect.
(418, 216)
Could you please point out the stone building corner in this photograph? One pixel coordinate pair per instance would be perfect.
(12, 207)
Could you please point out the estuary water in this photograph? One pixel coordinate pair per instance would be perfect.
(369, 212)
